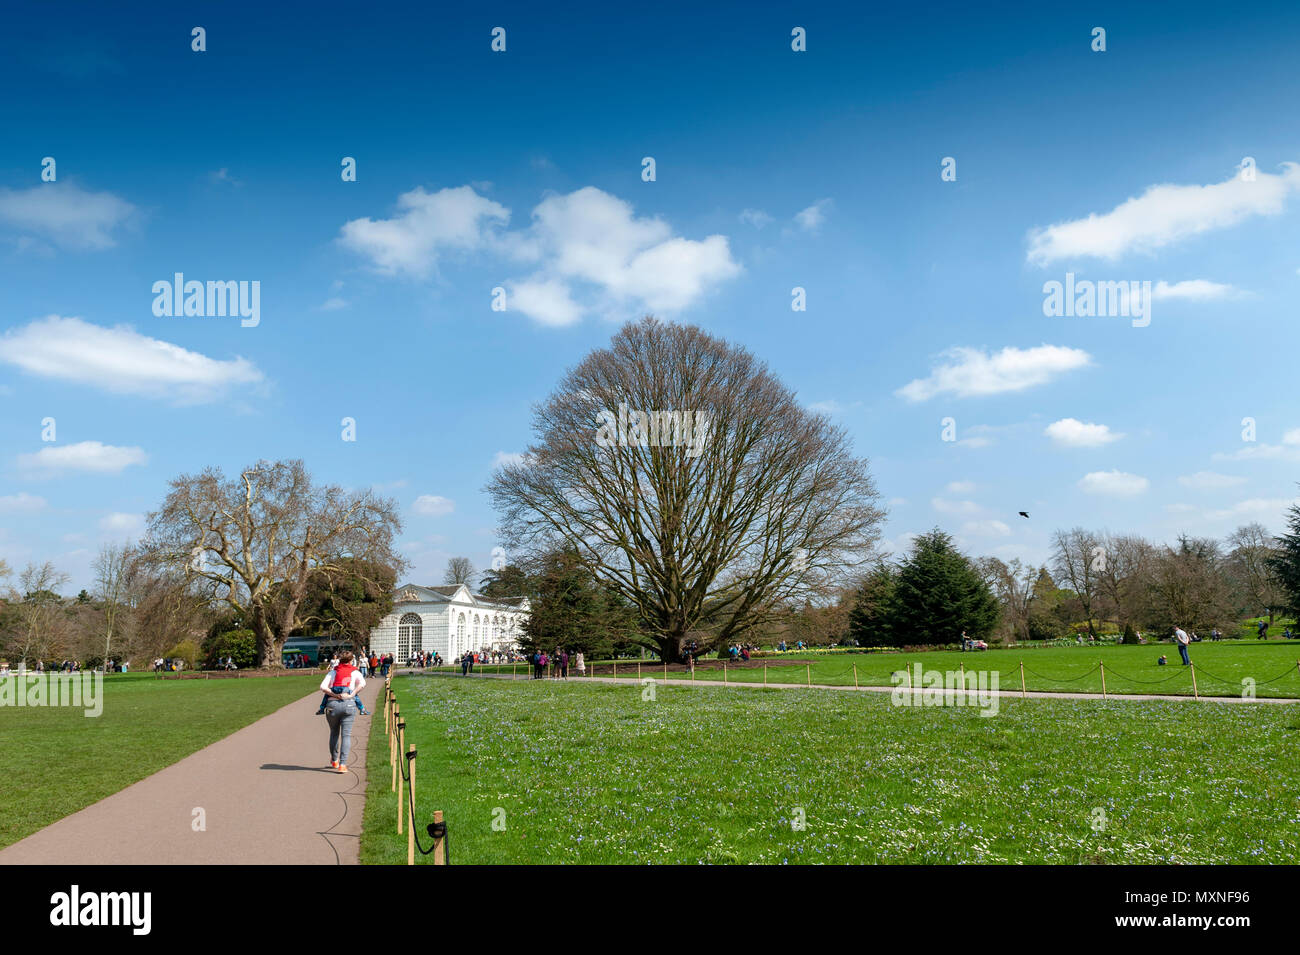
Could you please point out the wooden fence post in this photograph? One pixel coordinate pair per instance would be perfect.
(855, 676)
(410, 830)
(909, 676)
(724, 671)
(765, 673)
(1195, 692)
(439, 853)
(807, 668)
(401, 783)
(1022, 678)
(1102, 667)
(392, 747)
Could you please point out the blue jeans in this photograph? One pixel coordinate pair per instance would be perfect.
(340, 714)
(1182, 648)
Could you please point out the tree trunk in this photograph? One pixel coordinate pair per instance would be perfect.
(268, 646)
(670, 648)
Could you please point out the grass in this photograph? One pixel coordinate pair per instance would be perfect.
(57, 760)
(1220, 668)
(595, 773)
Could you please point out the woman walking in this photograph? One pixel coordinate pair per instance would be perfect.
(341, 686)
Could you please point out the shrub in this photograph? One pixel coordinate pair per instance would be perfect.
(186, 650)
(240, 644)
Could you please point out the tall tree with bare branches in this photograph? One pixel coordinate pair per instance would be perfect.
(256, 539)
(460, 570)
(690, 480)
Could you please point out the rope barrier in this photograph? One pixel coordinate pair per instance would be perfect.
(1052, 679)
(1173, 676)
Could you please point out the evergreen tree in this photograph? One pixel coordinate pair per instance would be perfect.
(867, 622)
(937, 594)
(1285, 564)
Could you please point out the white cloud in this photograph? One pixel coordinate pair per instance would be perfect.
(427, 225)
(1162, 215)
(811, 219)
(758, 218)
(985, 529)
(1252, 451)
(1193, 290)
(66, 214)
(1072, 433)
(1292, 436)
(506, 458)
(433, 505)
(21, 503)
(589, 250)
(1113, 483)
(961, 487)
(333, 304)
(119, 523)
(93, 457)
(971, 372)
(548, 300)
(121, 360)
(1209, 481)
(964, 508)
(591, 236)
(1256, 508)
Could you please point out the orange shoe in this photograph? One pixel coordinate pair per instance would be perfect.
(341, 768)
(334, 764)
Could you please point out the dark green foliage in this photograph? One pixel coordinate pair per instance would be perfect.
(572, 610)
(240, 644)
(1286, 563)
(935, 595)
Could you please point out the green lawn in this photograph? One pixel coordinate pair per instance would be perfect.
(1220, 668)
(56, 760)
(593, 773)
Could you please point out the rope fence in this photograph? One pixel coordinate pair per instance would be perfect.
(401, 758)
(788, 673)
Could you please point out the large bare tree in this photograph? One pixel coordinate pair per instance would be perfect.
(1250, 562)
(689, 479)
(460, 570)
(1077, 561)
(1122, 575)
(41, 628)
(112, 570)
(256, 539)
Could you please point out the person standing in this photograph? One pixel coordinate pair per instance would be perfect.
(564, 664)
(582, 664)
(1182, 639)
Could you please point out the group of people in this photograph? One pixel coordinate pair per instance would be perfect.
(542, 662)
(423, 658)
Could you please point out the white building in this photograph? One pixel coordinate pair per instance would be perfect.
(448, 620)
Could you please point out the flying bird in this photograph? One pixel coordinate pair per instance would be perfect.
(1024, 513)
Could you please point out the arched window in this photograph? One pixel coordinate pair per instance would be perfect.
(460, 635)
(409, 632)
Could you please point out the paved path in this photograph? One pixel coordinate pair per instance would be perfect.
(951, 694)
(267, 792)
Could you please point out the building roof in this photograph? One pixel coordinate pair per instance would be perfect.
(448, 593)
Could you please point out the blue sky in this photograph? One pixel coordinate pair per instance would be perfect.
(774, 169)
